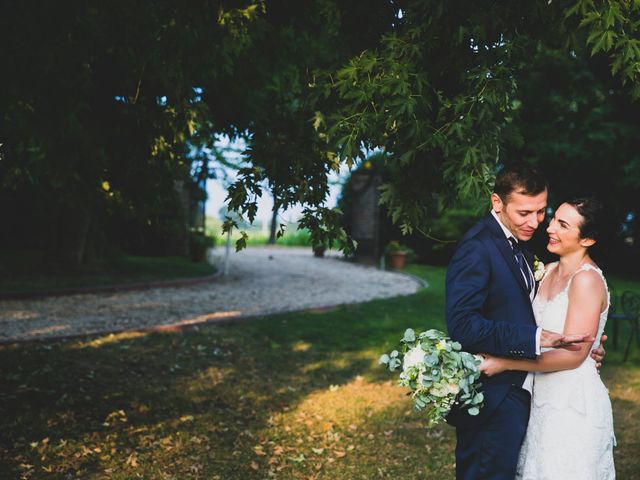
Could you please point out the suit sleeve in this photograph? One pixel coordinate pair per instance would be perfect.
(467, 289)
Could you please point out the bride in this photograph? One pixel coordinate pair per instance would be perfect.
(570, 431)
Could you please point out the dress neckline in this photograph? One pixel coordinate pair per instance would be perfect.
(584, 266)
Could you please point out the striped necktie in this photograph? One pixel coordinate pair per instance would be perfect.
(522, 262)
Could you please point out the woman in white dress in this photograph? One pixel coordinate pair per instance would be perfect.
(570, 431)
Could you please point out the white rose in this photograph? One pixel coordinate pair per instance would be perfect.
(413, 357)
(453, 388)
(439, 390)
(539, 269)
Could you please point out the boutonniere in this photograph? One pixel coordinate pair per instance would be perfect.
(538, 268)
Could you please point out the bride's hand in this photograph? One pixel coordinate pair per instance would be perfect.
(491, 366)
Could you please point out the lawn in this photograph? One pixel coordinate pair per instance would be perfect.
(286, 396)
(34, 271)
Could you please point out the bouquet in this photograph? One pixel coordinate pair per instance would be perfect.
(438, 373)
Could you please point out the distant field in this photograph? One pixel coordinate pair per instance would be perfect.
(257, 236)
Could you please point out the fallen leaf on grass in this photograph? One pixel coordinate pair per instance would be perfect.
(299, 458)
(132, 460)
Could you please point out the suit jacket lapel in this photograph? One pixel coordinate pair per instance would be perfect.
(505, 249)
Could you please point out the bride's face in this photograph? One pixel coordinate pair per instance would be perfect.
(564, 231)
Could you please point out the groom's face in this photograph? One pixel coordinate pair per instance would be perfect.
(522, 213)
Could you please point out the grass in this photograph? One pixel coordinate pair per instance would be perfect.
(297, 396)
(291, 238)
(32, 271)
(257, 237)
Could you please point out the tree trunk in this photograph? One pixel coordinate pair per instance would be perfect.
(274, 224)
(74, 238)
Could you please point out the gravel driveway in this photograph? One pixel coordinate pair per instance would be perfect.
(260, 281)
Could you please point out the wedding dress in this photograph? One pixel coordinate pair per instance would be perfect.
(570, 432)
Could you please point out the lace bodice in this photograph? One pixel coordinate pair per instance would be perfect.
(551, 314)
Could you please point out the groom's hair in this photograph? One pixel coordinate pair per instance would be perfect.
(521, 178)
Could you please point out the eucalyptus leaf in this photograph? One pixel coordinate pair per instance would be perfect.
(409, 335)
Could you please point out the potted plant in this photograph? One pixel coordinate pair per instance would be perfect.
(318, 250)
(397, 254)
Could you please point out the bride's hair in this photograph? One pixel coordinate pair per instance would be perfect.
(593, 213)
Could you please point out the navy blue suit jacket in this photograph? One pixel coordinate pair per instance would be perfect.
(488, 310)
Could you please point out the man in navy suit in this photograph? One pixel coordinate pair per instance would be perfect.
(489, 289)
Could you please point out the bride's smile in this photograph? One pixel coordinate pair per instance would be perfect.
(564, 231)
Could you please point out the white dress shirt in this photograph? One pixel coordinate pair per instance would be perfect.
(528, 382)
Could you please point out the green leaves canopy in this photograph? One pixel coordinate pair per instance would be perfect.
(99, 93)
(439, 93)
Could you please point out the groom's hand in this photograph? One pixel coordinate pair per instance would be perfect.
(491, 365)
(599, 353)
(550, 339)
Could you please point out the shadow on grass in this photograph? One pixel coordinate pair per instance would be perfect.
(187, 404)
(288, 396)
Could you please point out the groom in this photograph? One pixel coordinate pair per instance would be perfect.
(489, 289)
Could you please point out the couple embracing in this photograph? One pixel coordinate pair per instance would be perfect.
(547, 414)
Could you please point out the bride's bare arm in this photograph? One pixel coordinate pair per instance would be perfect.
(587, 297)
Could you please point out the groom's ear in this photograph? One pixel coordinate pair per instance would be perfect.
(496, 203)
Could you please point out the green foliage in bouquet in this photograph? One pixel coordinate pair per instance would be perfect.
(438, 373)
